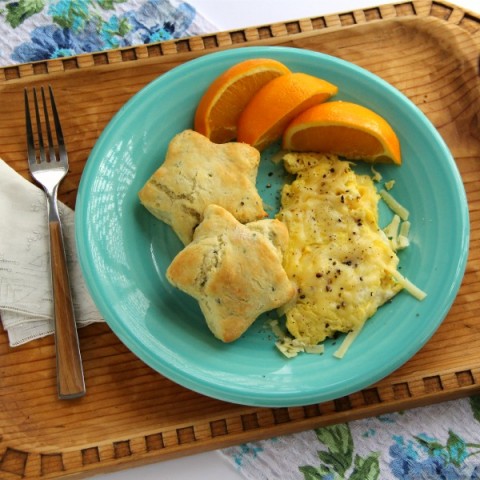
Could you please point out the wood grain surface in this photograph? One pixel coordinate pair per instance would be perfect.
(131, 414)
(70, 381)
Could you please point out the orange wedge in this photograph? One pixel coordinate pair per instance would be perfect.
(344, 129)
(218, 111)
(277, 103)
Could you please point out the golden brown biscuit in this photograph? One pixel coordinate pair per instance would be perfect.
(233, 270)
(196, 173)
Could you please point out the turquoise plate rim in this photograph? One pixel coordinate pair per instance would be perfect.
(291, 382)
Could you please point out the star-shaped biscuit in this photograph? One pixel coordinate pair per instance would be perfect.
(197, 172)
(233, 270)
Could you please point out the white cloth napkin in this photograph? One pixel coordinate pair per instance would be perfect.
(26, 306)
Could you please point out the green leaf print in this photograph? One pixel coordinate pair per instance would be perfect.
(70, 13)
(109, 4)
(338, 440)
(336, 463)
(475, 404)
(366, 468)
(339, 460)
(114, 29)
(433, 447)
(316, 473)
(19, 11)
(123, 27)
(457, 449)
(454, 452)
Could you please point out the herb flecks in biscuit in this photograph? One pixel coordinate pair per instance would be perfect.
(234, 271)
(197, 173)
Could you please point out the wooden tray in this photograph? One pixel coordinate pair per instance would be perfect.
(132, 415)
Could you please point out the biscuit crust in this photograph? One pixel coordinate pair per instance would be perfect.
(196, 173)
(234, 271)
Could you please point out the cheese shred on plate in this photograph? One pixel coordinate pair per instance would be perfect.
(343, 264)
(291, 347)
(395, 206)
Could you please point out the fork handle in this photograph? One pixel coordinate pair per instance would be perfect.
(70, 380)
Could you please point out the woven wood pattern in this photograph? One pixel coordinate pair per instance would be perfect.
(132, 415)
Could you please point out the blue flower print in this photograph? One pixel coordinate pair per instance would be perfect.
(53, 42)
(164, 33)
(70, 13)
(47, 42)
(157, 21)
(112, 32)
(427, 459)
(81, 26)
(247, 450)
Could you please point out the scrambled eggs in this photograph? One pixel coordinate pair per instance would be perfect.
(338, 257)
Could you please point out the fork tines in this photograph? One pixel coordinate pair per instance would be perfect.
(39, 133)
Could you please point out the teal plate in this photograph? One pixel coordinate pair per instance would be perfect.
(124, 251)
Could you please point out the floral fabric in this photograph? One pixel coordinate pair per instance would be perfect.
(33, 30)
(429, 443)
(436, 442)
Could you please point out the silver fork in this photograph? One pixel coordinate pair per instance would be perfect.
(48, 162)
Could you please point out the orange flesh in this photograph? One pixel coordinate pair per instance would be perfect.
(276, 104)
(337, 139)
(219, 108)
(226, 112)
(279, 127)
(345, 129)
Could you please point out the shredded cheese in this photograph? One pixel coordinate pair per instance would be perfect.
(277, 331)
(408, 285)
(377, 176)
(394, 205)
(402, 239)
(397, 232)
(347, 342)
(315, 349)
(277, 157)
(391, 231)
(389, 185)
(405, 229)
(291, 347)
